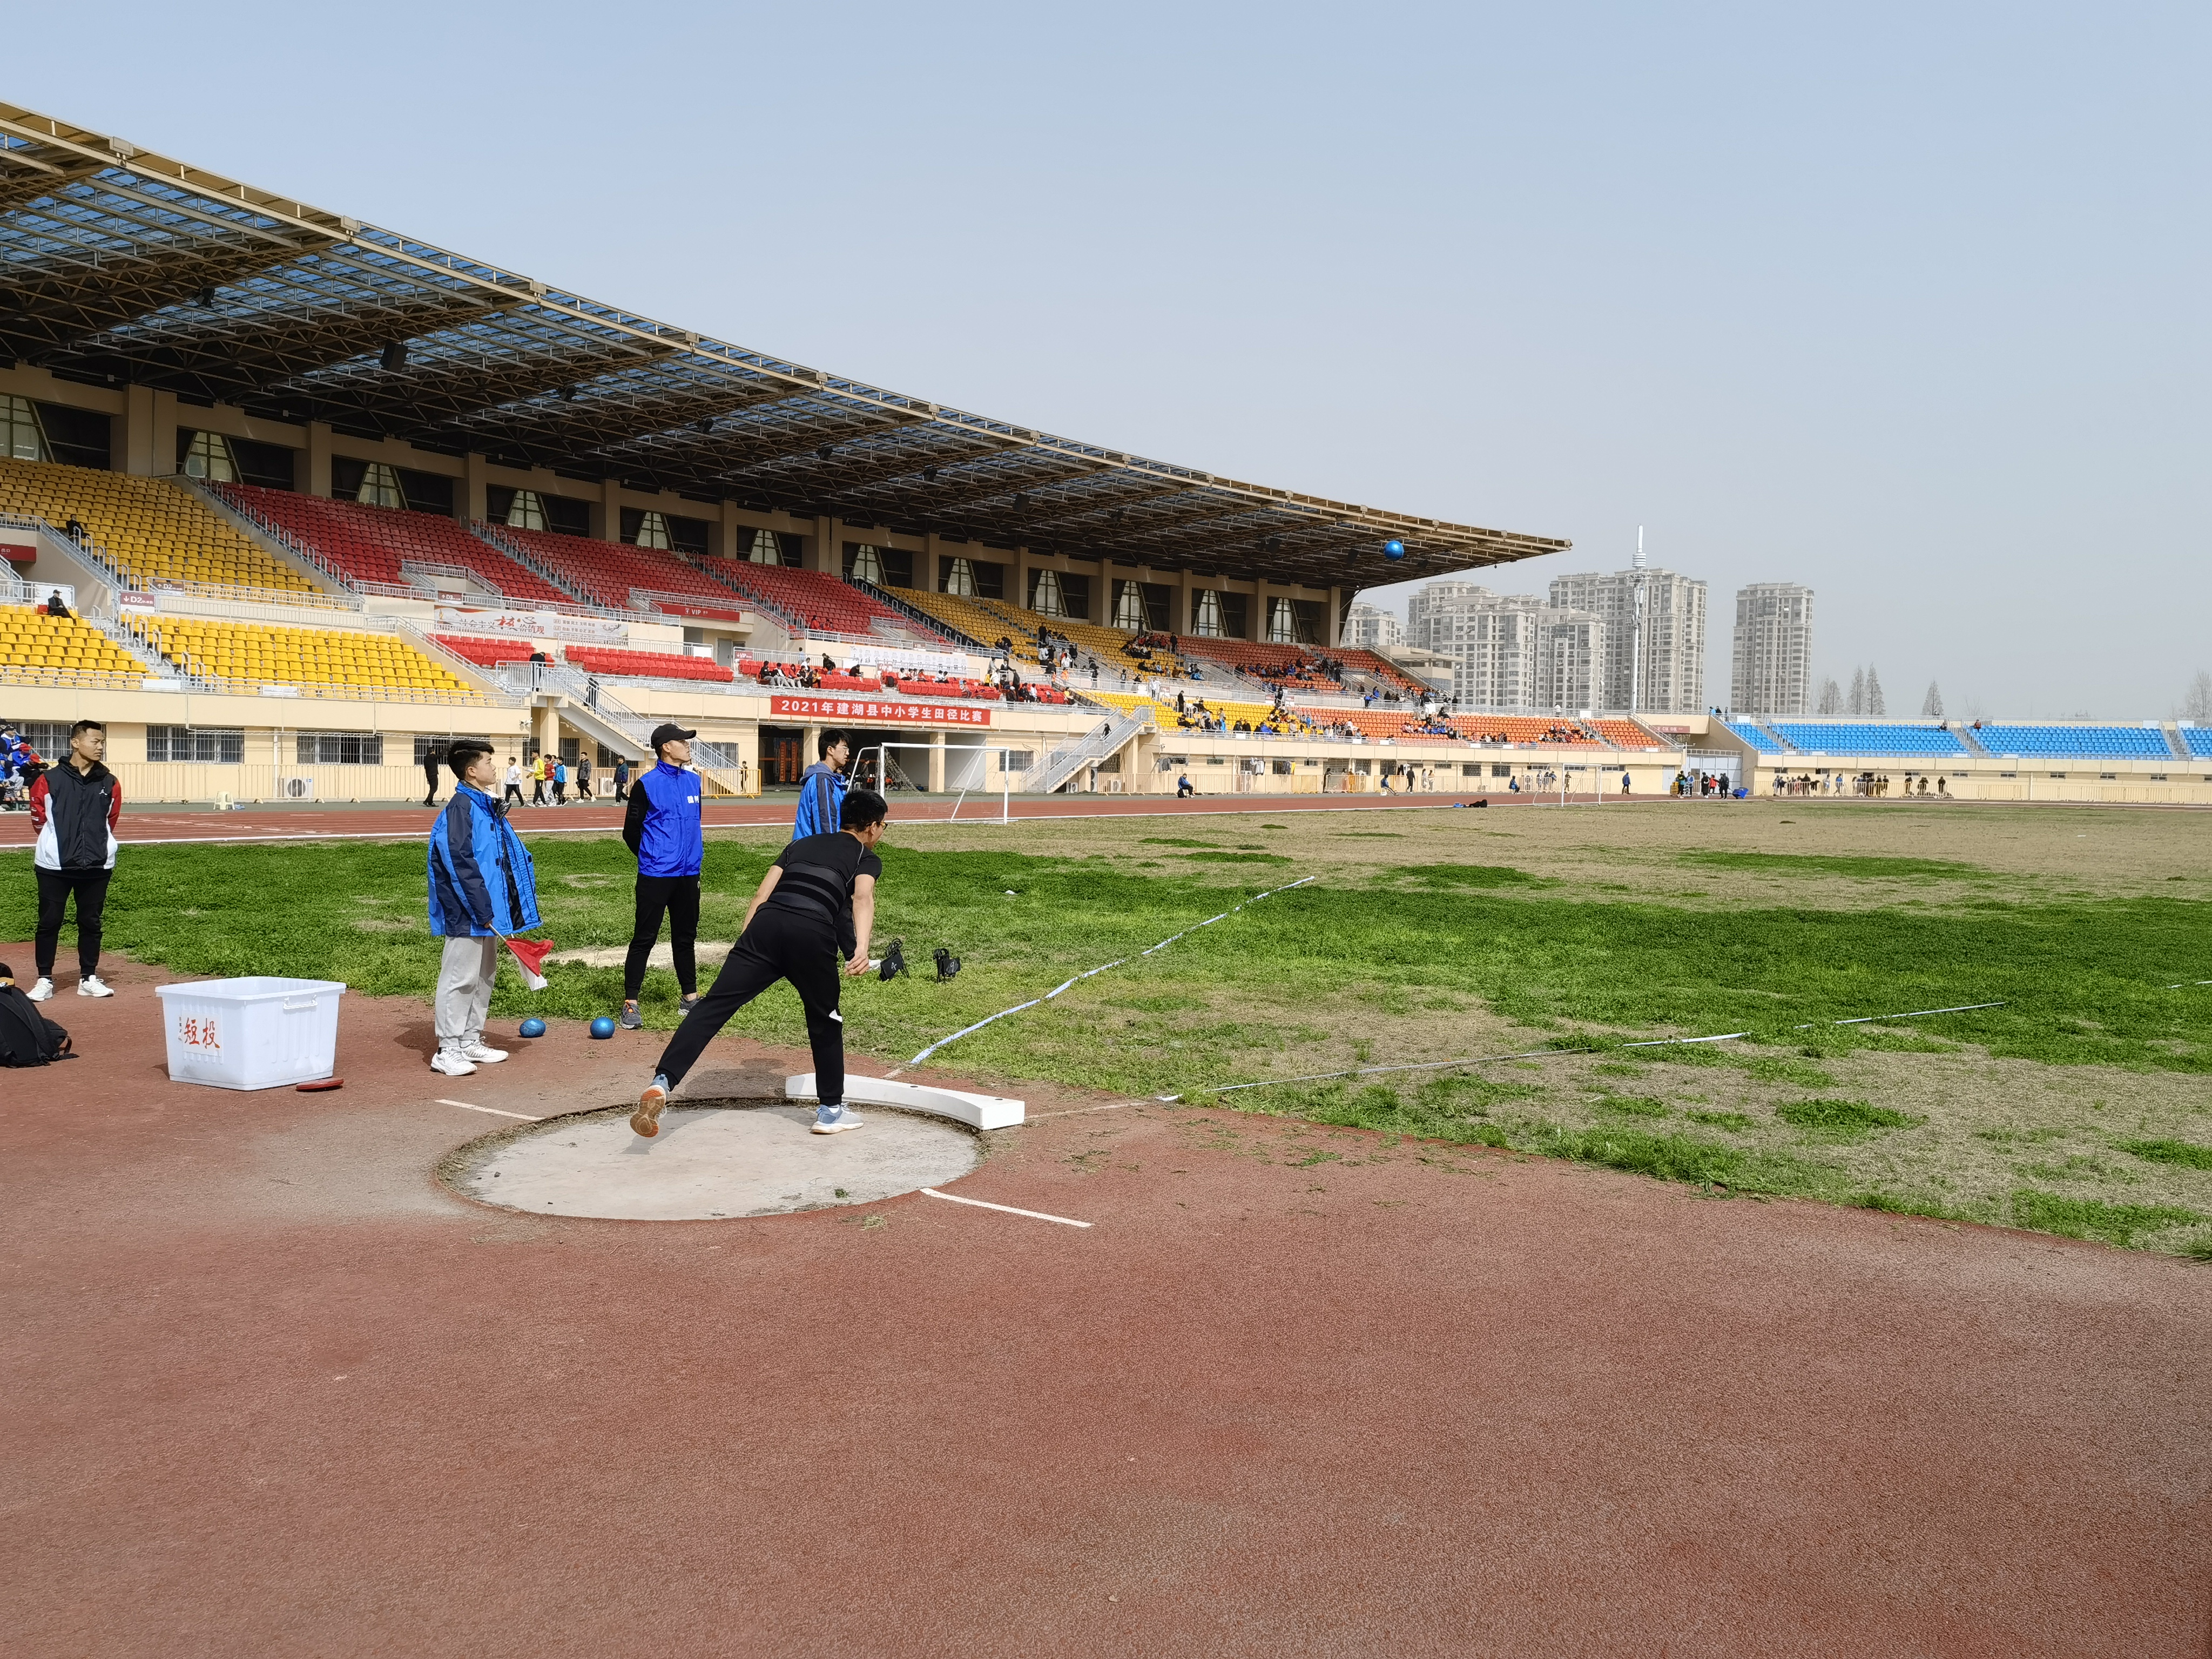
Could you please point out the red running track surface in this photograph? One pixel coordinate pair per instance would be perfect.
(274, 1390)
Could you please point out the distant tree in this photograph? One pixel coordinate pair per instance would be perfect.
(1931, 706)
(1831, 696)
(2197, 701)
(1858, 691)
(1874, 703)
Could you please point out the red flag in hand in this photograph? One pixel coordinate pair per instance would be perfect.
(530, 953)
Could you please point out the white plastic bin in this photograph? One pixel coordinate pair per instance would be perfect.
(259, 1032)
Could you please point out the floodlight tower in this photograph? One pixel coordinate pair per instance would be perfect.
(1636, 646)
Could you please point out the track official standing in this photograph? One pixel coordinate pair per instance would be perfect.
(483, 888)
(74, 809)
(663, 828)
(823, 789)
(433, 758)
(820, 887)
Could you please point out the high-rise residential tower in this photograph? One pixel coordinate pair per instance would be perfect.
(1510, 651)
(1673, 653)
(1770, 669)
(1372, 627)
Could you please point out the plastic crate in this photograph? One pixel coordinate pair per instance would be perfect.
(258, 1032)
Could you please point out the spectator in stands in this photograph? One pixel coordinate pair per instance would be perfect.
(663, 829)
(822, 788)
(54, 605)
(433, 758)
(483, 888)
(74, 809)
(513, 791)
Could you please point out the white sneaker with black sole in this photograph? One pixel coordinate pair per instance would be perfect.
(42, 991)
(451, 1062)
(93, 986)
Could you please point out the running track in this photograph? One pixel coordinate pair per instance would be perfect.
(154, 824)
(273, 1390)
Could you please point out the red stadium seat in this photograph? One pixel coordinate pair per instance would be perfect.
(646, 664)
(607, 571)
(367, 543)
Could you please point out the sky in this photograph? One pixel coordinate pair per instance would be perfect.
(1905, 303)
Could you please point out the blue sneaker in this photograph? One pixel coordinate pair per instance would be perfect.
(836, 1120)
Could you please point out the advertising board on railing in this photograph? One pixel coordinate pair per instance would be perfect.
(534, 625)
(881, 708)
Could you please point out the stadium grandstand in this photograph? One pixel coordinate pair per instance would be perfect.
(258, 458)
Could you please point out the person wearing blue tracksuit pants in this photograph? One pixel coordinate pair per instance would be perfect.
(663, 828)
(822, 790)
(483, 888)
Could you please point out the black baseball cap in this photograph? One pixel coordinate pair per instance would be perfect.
(669, 732)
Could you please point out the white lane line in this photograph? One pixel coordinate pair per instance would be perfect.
(494, 1110)
(1006, 1209)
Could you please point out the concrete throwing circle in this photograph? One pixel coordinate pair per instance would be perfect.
(715, 1163)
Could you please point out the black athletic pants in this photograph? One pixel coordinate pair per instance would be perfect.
(55, 887)
(429, 787)
(679, 896)
(781, 943)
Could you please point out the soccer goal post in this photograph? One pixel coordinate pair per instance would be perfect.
(895, 769)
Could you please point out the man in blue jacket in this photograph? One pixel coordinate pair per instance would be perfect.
(483, 888)
(663, 828)
(822, 790)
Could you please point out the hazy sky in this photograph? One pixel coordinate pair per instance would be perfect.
(1906, 302)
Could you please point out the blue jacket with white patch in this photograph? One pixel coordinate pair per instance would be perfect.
(821, 802)
(663, 826)
(481, 880)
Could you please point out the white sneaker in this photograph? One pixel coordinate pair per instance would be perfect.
(451, 1062)
(93, 986)
(42, 991)
(836, 1120)
(482, 1054)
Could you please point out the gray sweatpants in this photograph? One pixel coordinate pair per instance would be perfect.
(465, 976)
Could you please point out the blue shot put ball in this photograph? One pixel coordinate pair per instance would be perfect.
(604, 1026)
(1393, 550)
(533, 1027)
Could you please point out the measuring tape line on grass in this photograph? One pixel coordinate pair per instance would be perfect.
(970, 1030)
(1546, 1053)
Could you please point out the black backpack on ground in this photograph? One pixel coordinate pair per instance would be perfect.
(28, 1037)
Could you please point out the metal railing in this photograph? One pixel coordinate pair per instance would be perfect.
(486, 532)
(1102, 742)
(920, 618)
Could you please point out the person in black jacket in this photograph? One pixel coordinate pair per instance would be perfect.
(433, 758)
(74, 809)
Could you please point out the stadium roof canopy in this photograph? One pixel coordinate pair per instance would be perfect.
(117, 264)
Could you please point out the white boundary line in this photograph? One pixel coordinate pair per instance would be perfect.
(494, 1110)
(966, 1030)
(1005, 1209)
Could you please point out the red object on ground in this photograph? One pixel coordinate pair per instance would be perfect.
(321, 1085)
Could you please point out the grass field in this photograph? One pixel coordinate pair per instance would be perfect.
(2082, 1106)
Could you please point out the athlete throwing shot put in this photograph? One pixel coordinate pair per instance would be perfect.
(819, 896)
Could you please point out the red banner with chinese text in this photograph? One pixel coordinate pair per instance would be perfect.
(898, 711)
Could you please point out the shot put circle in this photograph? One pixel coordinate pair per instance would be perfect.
(709, 1164)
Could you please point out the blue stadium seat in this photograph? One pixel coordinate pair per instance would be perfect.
(2199, 739)
(2064, 742)
(1757, 739)
(1850, 737)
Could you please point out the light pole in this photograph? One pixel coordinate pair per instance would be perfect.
(1636, 646)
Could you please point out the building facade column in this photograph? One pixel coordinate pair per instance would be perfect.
(724, 541)
(131, 448)
(937, 763)
(822, 555)
(469, 498)
(606, 513)
(317, 459)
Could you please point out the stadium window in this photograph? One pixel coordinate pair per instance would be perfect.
(526, 511)
(990, 579)
(1159, 607)
(49, 737)
(1128, 606)
(863, 563)
(425, 492)
(687, 535)
(1282, 626)
(1045, 597)
(18, 429)
(269, 465)
(76, 437)
(206, 455)
(1075, 596)
(765, 550)
(341, 749)
(651, 530)
(374, 483)
(176, 744)
(570, 517)
(958, 577)
(1206, 614)
(1306, 618)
